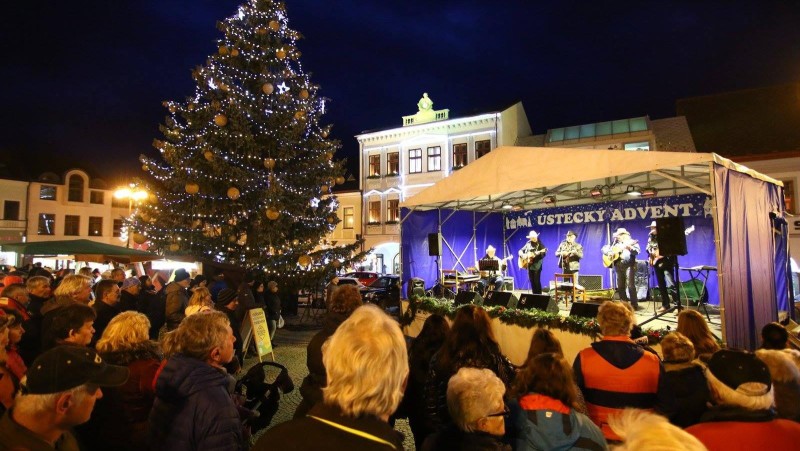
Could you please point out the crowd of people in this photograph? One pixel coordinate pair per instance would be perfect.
(80, 369)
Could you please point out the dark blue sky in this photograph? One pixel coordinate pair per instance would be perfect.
(84, 80)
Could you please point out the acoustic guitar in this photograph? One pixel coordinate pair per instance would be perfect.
(527, 260)
(615, 254)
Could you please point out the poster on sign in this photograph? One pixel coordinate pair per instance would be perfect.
(255, 328)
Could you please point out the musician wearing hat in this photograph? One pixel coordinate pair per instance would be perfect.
(530, 257)
(621, 254)
(569, 255)
(492, 278)
(664, 267)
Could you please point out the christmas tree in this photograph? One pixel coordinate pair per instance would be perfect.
(246, 169)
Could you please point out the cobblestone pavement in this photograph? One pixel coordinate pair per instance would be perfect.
(290, 351)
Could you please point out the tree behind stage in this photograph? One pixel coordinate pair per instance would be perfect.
(246, 169)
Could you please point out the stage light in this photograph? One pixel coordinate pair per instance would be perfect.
(506, 206)
(634, 191)
(516, 207)
(549, 200)
(649, 192)
(597, 191)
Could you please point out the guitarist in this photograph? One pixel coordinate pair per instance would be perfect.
(622, 252)
(493, 278)
(664, 267)
(569, 255)
(530, 257)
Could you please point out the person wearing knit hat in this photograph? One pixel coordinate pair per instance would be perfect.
(226, 303)
(743, 417)
(129, 296)
(177, 298)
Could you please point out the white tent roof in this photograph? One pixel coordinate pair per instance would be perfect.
(524, 176)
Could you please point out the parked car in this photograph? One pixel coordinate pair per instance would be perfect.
(383, 291)
(365, 277)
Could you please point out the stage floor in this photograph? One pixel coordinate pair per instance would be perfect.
(668, 321)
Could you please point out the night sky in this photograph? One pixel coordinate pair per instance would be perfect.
(83, 81)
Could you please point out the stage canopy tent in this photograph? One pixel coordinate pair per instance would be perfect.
(83, 250)
(752, 264)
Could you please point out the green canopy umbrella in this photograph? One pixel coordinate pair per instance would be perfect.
(83, 250)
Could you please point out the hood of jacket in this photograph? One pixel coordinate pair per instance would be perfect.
(540, 417)
(184, 376)
(143, 351)
(618, 352)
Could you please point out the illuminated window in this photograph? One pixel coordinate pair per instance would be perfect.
(117, 232)
(459, 155)
(349, 218)
(47, 224)
(95, 226)
(434, 159)
(643, 145)
(393, 163)
(72, 225)
(47, 192)
(75, 188)
(374, 165)
(11, 210)
(393, 210)
(375, 212)
(414, 161)
(482, 148)
(97, 197)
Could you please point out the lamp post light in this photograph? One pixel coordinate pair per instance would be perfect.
(132, 194)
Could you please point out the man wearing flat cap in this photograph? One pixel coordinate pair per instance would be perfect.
(60, 391)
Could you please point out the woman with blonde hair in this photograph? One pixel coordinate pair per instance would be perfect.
(200, 301)
(692, 324)
(119, 420)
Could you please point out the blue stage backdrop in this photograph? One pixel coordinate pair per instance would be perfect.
(466, 234)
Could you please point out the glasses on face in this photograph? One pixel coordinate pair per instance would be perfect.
(504, 413)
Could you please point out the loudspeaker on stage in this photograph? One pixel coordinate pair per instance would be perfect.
(543, 302)
(584, 309)
(468, 297)
(434, 244)
(501, 298)
(671, 236)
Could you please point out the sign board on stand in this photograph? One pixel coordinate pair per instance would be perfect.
(255, 327)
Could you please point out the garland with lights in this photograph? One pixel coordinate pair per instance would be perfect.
(517, 317)
(246, 171)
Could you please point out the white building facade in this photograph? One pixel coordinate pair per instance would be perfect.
(399, 162)
(14, 202)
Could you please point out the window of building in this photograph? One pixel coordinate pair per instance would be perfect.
(349, 218)
(97, 197)
(393, 210)
(374, 165)
(11, 210)
(434, 159)
(393, 163)
(119, 202)
(643, 145)
(47, 192)
(482, 148)
(95, 226)
(414, 161)
(374, 212)
(117, 232)
(789, 196)
(47, 224)
(72, 225)
(459, 155)
(75, 188)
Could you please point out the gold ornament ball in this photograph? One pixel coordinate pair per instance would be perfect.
(261, 31)
(233, 193)
(324, 133)
(323, 189)
(192, 188)
(331, 219)
(280, 54)
(221, 120)
(224, 87)
(208, 155)
(304, 260)
(336, 263)
(340, 180)
(172, 108)
(145, 167)
(138, 238)
(174, 247)
(152, 198)
(223, 50)
(267, 88)
(295, 242)
(235, 52)
(299, 114)
(273, 213)
(269, 163)
(304, 93)
(274, 25)
(328, 155)
(232, 238)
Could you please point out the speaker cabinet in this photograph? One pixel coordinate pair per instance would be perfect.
(543, 302)
(503, 298)
(414, 287)
(435, 244)
(584, 309)
(468, 297)
(670, 236)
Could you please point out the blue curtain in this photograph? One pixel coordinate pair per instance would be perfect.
(750, 271)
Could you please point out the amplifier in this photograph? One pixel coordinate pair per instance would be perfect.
(590, 282)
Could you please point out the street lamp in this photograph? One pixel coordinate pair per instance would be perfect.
(132, 194)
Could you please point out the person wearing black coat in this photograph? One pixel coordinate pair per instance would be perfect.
(273, 307)
(227, 301)
(684, 377)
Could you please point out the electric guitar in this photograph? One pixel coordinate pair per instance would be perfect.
(527, 260)
(615, 253)
(656, 256)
